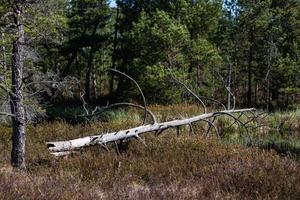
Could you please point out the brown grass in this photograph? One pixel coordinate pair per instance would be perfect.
(169, 167)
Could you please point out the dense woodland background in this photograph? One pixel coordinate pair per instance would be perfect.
(256, 43)
(57, 83)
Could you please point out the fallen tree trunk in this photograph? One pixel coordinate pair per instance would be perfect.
(66, 147)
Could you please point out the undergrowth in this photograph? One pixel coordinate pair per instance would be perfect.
(169, 167)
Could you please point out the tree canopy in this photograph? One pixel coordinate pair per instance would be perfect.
(153, 40)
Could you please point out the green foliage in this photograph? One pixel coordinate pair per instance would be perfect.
(205, 61)
(87, 20)
(197, 39)
(160, 36)
(159, 42)
(201, 17)
(169, 34)
(47, 21)
(260, 38)
(159, 87)
(77, 115)
(288, 75)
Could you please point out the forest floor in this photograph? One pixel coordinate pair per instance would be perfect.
(170, 167)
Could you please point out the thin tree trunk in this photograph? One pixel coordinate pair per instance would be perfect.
(88, 92)
(88, 84)
(229, 87)
(250, 59)
(68, 67)
(94, 80)
(249, 93)
(198, 76)
(16, 103)
(4, 57)
(111, 84)
(4, 63)
(74, 56)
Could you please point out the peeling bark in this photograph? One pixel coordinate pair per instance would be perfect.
(16, 96)
(66, 147)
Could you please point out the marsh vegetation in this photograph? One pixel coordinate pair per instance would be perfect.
(170, 167)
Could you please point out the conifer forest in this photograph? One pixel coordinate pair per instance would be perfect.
(149, 99)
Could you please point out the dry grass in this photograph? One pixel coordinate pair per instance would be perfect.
(169, 167)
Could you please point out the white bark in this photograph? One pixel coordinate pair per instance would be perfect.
(65, 147)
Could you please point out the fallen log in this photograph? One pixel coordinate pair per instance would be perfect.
(62, 148)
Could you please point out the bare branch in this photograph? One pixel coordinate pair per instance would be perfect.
(62, 154)
(228, 90)
(235, 121)
(99, 110)
(117, 148)
(238, 120)
(140, 139)
(4, 88)
(84, 103)
(6, 114)
(211, 124)
(160, 131)
(141, 92)
(213, 100)
(154, 119)
(8, 14)
(189, 90)
(191, 128)
(233, 96)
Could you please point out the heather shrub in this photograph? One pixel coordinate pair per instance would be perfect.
(169, 167)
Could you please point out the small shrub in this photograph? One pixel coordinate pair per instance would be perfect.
(169, 167)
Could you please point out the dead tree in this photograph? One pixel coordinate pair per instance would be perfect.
(62, 148)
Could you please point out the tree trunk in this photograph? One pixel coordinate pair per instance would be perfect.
(111, 83)
(249, 93)
(17, 107)
(88, 77)
(250, 59)
(254, 100)
(67, 69)
(198, 76)
(66, 147)
(94, 81)
(4, 58)
(229, 87)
